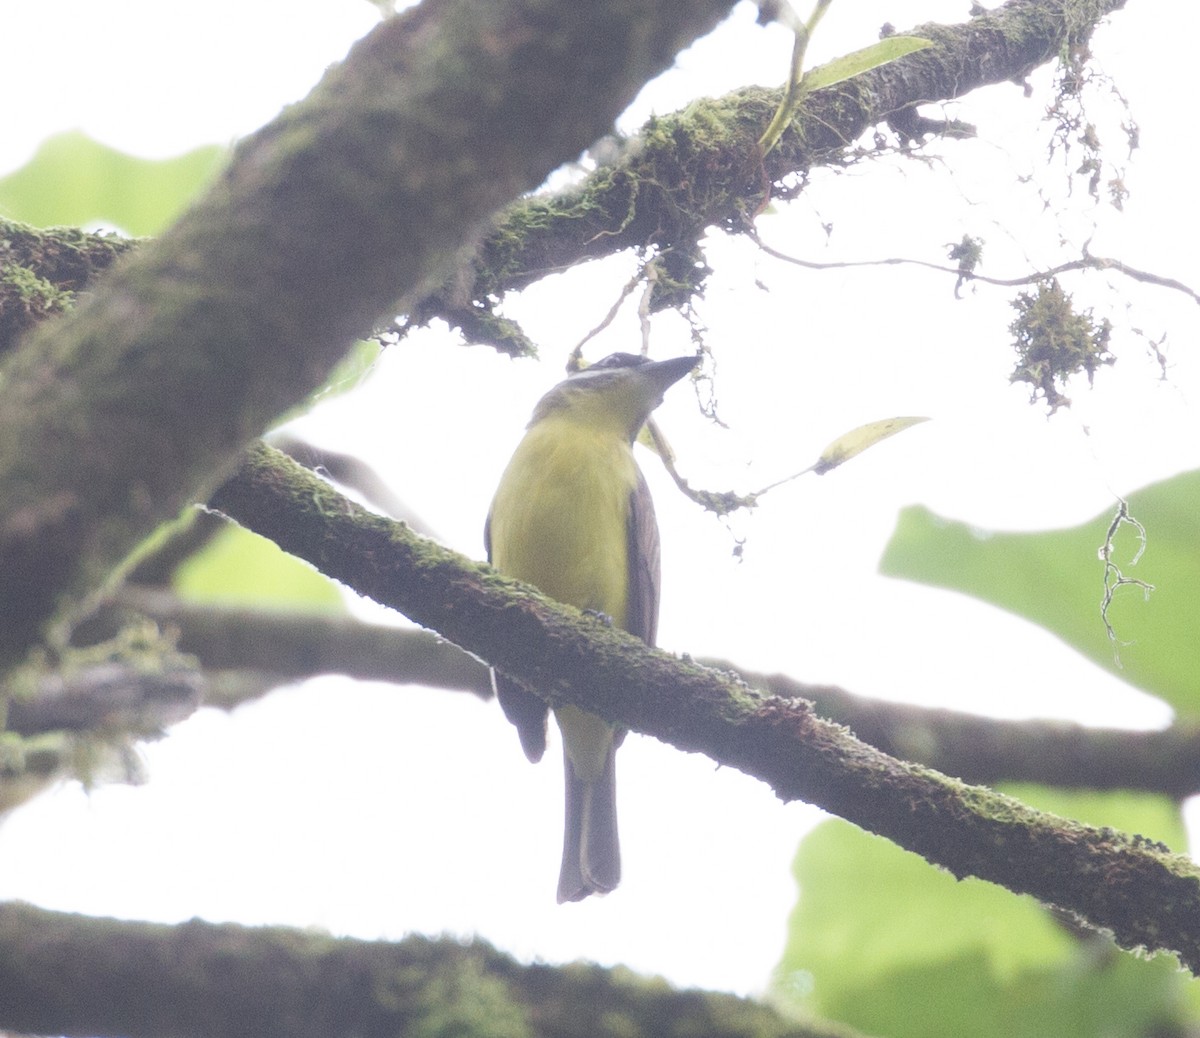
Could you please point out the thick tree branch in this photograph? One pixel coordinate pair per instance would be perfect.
(703, 168)
(197, 980)
(349, 204)
(1145, 895)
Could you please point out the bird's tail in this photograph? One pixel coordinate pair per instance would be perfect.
(591, 862)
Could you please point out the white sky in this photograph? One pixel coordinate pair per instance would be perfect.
(373, 810)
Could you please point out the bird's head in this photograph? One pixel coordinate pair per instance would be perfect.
(618, 392)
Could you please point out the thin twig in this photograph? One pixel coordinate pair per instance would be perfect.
(1085, 262)
(575, 361)
(1113, 577)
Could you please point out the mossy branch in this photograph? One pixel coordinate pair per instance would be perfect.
(199, 979)
(703, 167)
(1148, 897)
(989, 750)
(42, 272)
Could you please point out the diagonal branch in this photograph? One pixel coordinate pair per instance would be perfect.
(702, 167)
(1148, 897)
(990, 750)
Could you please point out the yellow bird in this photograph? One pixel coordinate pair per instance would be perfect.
(573, 516)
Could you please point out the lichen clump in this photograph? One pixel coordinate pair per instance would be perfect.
(1054, 342)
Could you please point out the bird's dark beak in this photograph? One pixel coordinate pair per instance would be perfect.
(665, 373)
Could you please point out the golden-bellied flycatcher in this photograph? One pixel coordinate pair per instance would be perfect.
(573, 516)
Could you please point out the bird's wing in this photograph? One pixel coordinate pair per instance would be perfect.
(525, 710)
(641, 612)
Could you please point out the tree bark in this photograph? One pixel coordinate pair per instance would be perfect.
(67, 975)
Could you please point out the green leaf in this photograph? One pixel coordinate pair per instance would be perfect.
(858, 440)
(1056, 579)
(885, 943)
(75, 181)
(857, 62)
(240, 568)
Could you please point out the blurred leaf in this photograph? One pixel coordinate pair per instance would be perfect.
(867, 907)
(348, 374)
(240, 568)
(75, 181)
(860, 61)
(885, 943)
(352, 368)
(858, 440)
(1056, 579)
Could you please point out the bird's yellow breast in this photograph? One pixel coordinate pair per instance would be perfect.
(560, 516)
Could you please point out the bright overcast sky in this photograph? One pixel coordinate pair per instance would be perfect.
(375, 810)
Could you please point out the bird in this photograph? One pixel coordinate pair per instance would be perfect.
(572, 515)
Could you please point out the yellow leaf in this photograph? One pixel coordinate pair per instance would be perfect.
(858, 440)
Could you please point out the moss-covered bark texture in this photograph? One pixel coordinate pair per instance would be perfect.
(62, 974)
(702, 167)
(990, 750)
(351, 203)
(42, 272)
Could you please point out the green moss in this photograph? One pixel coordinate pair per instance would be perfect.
(1054, 342)
(25, 299)
(28, 766)
(42, 270)
(462, 1000)
(681, 175)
